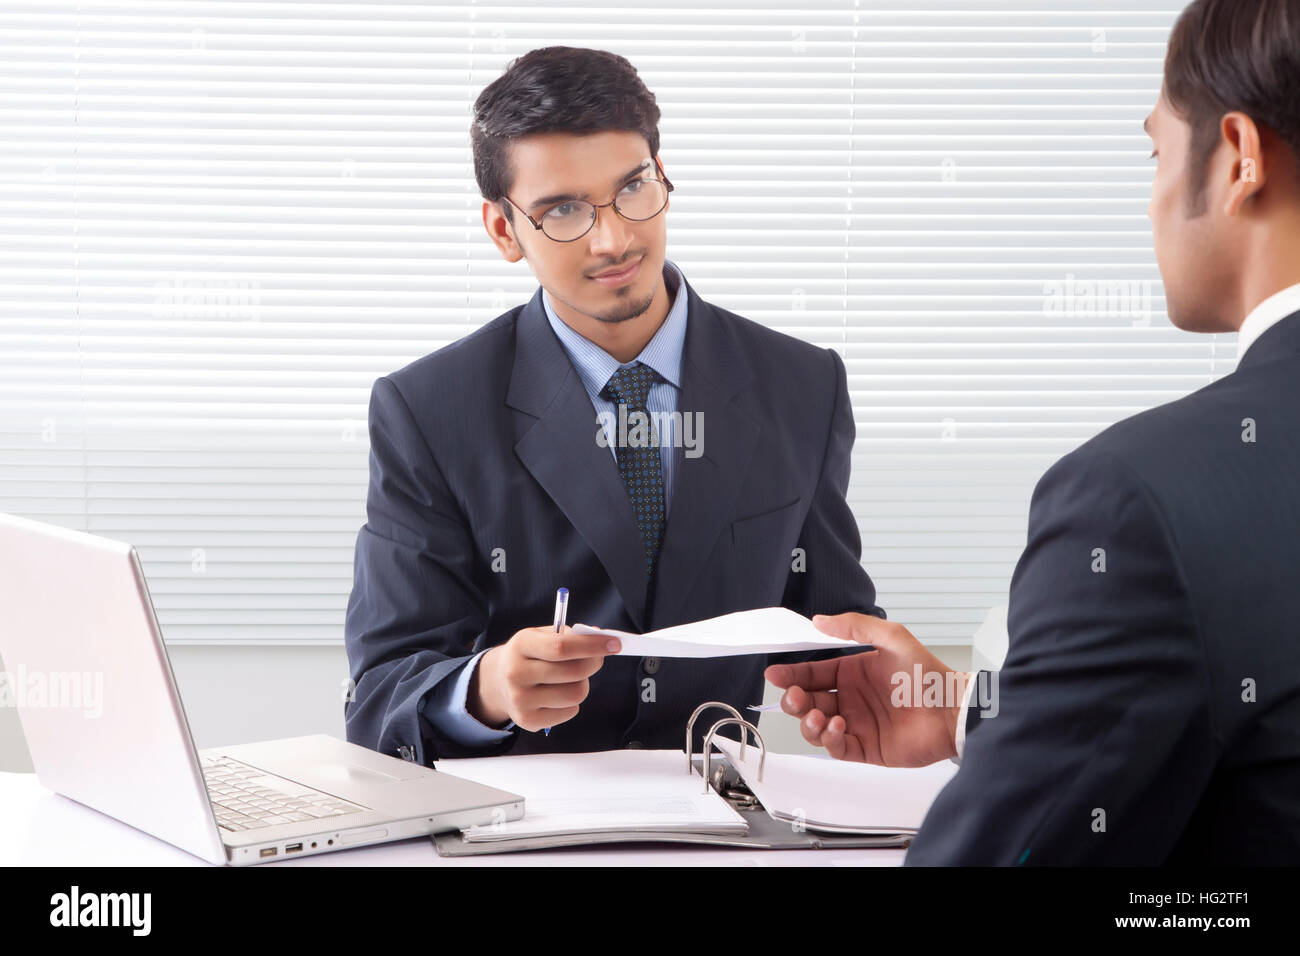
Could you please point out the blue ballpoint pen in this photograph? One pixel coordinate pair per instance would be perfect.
(561, 612)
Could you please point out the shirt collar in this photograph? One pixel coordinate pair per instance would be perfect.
(663, 352)
(1265, 315)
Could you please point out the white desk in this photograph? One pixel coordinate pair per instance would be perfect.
(41, 828)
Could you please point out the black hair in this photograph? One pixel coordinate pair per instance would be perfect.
(1229, 56)
(556, 89)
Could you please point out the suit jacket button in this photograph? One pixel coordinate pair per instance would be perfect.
(650, 665)
(634, 745)
(406, 753)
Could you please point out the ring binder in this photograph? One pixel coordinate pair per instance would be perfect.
(690, 726)
(765, 827)
(708, 745)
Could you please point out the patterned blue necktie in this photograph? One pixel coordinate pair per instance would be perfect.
(639, 464)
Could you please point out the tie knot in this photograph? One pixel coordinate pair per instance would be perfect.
(630, 385)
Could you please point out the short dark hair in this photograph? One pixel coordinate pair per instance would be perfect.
(556, 89)
(1229, 56)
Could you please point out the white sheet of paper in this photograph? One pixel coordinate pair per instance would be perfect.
(838, 796)
(598, 792)
(767, 630)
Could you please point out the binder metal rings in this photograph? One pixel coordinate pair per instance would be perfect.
(708, 745)
(690, 726)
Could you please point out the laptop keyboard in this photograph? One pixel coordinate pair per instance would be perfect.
(245, 798)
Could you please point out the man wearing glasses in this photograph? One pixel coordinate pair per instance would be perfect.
(503, 466)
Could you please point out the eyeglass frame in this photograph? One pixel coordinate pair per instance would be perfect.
(596, 207)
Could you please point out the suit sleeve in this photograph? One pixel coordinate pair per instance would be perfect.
(415, 610)
(1096, 738)
(833, 580)
(447, 708)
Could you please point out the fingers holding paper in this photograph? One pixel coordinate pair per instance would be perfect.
(862, 707)
(538, 678)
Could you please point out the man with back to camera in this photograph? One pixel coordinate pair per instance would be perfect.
(493, 481)
(1149, 708)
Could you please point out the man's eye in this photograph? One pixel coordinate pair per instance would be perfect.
(634, 186)
(562, 211)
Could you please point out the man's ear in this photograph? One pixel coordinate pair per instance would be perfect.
(501, 232)
(1240, 134)
(664, 173)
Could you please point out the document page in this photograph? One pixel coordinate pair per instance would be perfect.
(767, 630)
(598, 792)
(837, 796)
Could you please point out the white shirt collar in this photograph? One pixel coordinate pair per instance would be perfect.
(1267, 314)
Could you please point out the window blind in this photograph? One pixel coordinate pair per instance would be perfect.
(222, 221)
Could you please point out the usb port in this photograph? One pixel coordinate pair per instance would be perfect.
(269, 851)
(293, 848)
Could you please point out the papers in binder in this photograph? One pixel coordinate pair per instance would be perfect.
(768, 630)
(838, 796)
(651, 795)
(606, 791)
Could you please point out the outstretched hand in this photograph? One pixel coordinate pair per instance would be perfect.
(875, 714)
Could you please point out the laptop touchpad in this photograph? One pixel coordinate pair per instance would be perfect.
(336, 774)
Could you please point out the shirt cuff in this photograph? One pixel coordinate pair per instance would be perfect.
(962, 715)
(447, 708)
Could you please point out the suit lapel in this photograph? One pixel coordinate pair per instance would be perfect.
(557, 445)
(714, 376)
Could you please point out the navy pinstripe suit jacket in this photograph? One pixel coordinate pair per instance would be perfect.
(490, 443)
(1149, 713)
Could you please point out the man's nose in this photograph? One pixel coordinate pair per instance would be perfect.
(609, 235)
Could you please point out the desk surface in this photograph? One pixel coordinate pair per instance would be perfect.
(42, 828)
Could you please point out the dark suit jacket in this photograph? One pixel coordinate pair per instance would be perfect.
(1161, 697)
(490, 443)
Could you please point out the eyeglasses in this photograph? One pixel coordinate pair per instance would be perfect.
(637, 201)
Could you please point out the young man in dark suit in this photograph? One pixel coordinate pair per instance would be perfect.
(1148, 710)
(503, 467)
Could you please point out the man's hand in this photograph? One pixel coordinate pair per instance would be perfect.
(537, 678)
(874, 716)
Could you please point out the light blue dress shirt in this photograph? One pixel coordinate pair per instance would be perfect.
(446, 706)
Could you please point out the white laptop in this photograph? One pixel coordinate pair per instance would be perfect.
(89, 672)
